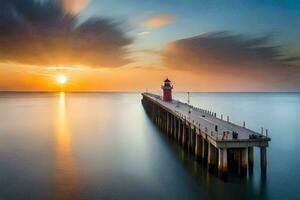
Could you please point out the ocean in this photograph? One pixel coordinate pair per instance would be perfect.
(103, 146)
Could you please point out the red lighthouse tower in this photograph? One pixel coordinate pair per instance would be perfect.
(167, 90)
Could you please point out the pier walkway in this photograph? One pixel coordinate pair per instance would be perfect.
(211, 125)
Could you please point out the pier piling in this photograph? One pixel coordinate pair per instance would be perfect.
(204, 151)
(198, 149)
(222, 163)
(250, 160)
(210, 158)
(263, 159)
(244, 161)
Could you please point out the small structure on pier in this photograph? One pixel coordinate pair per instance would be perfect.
(218, 143)
(167, 90)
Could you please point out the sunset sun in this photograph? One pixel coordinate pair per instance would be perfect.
(61, 79)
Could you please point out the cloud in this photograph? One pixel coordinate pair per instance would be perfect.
(45, 33)
(158, 21)
(75, 6)
(143, 33)
(221, 54)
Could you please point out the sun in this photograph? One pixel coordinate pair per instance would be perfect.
(61, 79)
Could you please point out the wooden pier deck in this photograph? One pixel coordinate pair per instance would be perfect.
(208, 136)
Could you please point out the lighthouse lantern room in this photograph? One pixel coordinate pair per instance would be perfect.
(167, 90)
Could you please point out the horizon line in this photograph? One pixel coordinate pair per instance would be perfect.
(136, 91)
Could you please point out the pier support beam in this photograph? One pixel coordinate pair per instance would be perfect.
(184, 137)
(250, 160)
(158, 118)
(236, 159)
(193, 140)
(164, 121)
(174, 128)
(244, 161)
(192, 146)
(168, 124)
(263, 159)
(198, 148)
(211, 158)
(204, 151)
(222, 163)
(179, 132)
(188, 134)
(172, 125)
(177, 129)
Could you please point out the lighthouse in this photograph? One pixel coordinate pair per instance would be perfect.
(167, 90)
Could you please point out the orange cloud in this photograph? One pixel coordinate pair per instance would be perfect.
(159, 21)
(46, 34)
(75, 6)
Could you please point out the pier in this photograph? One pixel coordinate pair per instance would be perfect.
(217, 143)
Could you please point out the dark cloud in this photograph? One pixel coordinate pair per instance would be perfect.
(44, 33)
(222, 54)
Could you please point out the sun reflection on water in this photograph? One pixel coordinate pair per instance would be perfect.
(66, 176)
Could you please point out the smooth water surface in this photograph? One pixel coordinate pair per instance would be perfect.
(104, 146)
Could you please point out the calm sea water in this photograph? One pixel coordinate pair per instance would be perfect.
(103, 146)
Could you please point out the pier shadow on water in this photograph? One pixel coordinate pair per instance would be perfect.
(233, 186)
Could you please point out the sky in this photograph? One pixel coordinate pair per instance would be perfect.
(131, 45)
